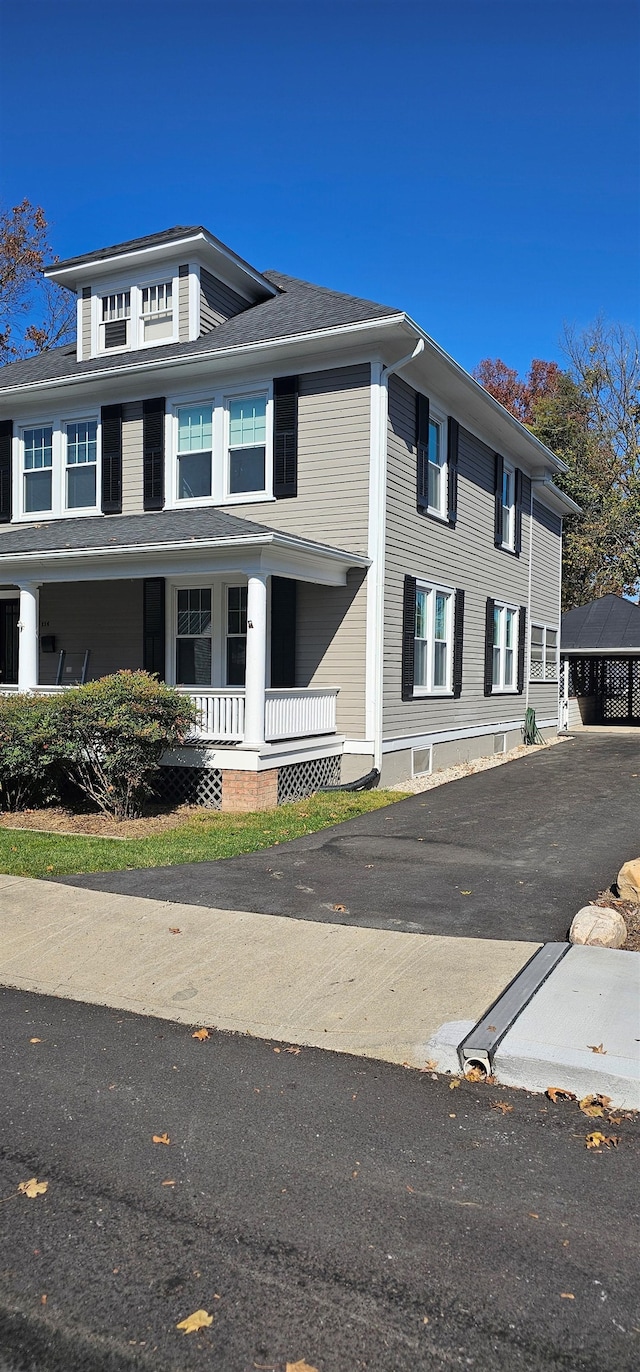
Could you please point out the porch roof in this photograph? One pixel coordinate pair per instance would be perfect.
(166, 542)
(608, 625)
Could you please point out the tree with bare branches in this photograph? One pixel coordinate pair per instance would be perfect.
(34, 314)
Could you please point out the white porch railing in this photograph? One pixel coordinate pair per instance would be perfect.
(289, 713)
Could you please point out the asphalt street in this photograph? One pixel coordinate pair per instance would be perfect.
(344, 1212)
(508, 853)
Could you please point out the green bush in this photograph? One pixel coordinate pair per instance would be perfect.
(29, 772)
(112, 734)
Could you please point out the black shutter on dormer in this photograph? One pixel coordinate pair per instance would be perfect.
(153, 621)
(452, 469)
(285, 437)
(422, 451)
(488, 646)
(497, 522)
(153, 453)
(111, 422)
(522, 634)
(458, 643)
(408, 636)
(517, 542)
(6, 435)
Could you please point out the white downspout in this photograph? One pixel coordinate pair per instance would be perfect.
(376, 548)
(527, 647)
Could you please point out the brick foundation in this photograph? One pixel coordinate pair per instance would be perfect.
(250, 790)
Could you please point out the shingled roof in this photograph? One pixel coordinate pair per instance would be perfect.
(299, 308)
(608, 624)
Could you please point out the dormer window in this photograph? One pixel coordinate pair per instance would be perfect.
(116, 312)
(157, 312)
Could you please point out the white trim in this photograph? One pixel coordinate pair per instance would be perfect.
(527, 646)
(595, 652)
(545, 680)
(439, 417)
(434, 588)
(503, 689)
(398, 744)
(58, 509)
(162, 250)
(508, 543)
(253, 759)
(194, 301)
(359, 746)
(376, 545)
(79, 340)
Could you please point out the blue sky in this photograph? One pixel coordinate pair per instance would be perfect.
(474, 162)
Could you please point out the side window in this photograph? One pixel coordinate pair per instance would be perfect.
(508, 505)
(194, 451)
(433, 649)
(193, 637)
(505, 645)
(157, 312)
(38, 465)
(247, 445)
(236, 635)
(115, 323)
(81, 464)
(544, 653)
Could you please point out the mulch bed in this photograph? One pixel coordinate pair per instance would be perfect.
(57, 820)
(630, 914)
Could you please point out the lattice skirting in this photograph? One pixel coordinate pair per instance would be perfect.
(300, 779)
(191, 786)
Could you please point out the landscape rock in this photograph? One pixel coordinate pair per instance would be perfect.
(628, 881)
(599, 926)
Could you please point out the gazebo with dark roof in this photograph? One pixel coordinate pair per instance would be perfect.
(600, 643)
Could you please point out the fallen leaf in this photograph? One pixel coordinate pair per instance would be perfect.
(301, 1366)
(556, 1093)
(425, 1319)
(475, 1074)
(491, 1028)
(169, 1183)
(597, 1048)
(410, 1188)
(175, 931)
(451, 1117)
(341, 909)
(35, 1040)
(295, 1051)
(43, 1299)
(277, 1050)
(33, 1188)
(198, 1320)
(614, 1119)
(454, 1083)
(501, 1105)
(49, 869)
(430, 1065)
(201, 1034)
(161, 1138)
(532, 1215)
(466, 893)
(596, 1140)
(594, 1105)
(567, 1296)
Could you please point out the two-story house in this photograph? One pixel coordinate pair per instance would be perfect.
(288, 502)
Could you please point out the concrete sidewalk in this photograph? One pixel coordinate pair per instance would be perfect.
(362, 991)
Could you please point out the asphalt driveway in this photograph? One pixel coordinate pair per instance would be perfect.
(509, 853)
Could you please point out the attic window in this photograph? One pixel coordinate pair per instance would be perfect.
(157, 312)
(116, 311)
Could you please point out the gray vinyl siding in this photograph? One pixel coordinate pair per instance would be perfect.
(132, 457)
(218, 302)
(332, 506)
(104, 617)
(545, 596)
(86, 328)
(464, 556)
(183, 308)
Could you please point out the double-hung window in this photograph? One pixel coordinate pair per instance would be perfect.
(544, 653)
(193, 638)
(157, 312)
(195, 427)
(247, 444)
(505, 647)
(437, 475)
(433, 648)
(508, 505)
(236, 635)
(81, 464)
(38, 469)
(116, 314)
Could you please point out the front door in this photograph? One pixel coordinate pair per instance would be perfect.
(9, 613)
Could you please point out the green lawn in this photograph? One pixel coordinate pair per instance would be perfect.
(203, 837)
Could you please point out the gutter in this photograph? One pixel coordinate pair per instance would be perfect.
(569, 506)
(197, 545)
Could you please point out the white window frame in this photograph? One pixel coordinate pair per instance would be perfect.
(219, 401)
(135, 283)
(230, 586)
(432, 588)
(59, 509)
(80, 509)
(440, 511)
(501, 687)
(193, 584)
(545, 678)
(508, 542)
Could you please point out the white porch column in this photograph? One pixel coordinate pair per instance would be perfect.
(28, 637)
(255, 685)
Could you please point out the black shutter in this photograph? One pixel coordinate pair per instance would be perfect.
(499, 472)
(283, 631)
(517, 542)
(153, 595)
(458, 641)
(285, 437)
(522, 634)
(6, 435)
(488, 647)
(153, 453)
(111, 417)
(422, 451)
(452, 469)
(408, 636)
